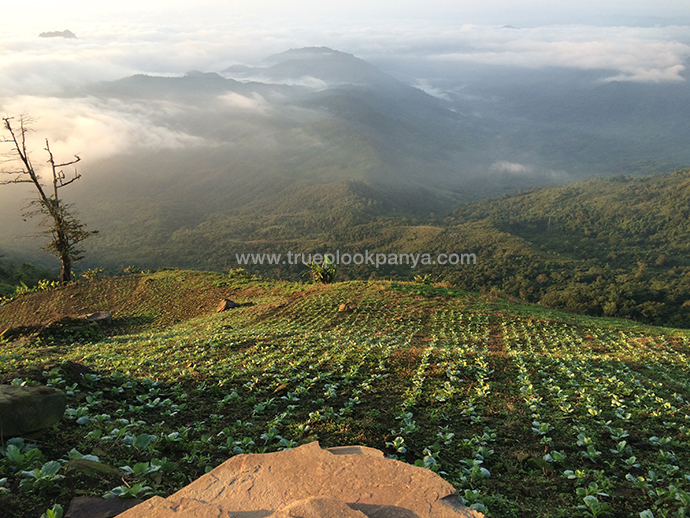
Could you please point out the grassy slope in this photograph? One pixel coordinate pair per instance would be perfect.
(144, 301)
(417, 362)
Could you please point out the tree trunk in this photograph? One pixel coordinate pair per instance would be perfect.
(66, 268)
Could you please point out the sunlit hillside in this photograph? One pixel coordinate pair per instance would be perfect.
(527, 412)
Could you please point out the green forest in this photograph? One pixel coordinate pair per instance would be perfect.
(613, 246)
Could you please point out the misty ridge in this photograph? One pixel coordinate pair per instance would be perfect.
(314, 130)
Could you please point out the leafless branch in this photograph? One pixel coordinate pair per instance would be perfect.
(19, 179)
(63, 183)
(76, 159)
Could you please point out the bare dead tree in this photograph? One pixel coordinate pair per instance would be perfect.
(65, 230)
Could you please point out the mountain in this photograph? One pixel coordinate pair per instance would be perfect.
(614, 246)
(365, 123)
(313, 65)
(607, 247)
(318, 150)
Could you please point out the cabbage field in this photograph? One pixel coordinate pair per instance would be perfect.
(526, 412)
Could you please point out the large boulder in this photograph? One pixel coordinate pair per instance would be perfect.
(25, 410)
(347, 482)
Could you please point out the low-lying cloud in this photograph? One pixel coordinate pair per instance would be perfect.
(102, 128)
(32, 65)
(633, 54)
(503, 166)
(255, 103)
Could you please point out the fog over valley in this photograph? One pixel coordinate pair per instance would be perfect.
(187, 118)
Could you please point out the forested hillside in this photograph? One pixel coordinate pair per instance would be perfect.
(615, 246)
(607, 246)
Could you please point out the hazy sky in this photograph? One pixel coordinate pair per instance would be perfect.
(459, 11)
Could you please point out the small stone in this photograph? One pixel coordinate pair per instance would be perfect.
(522, 456)
(226, 304)
(29, 409)
(100, 317)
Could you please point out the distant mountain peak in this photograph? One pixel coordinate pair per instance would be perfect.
(321, 66)
(207, 75)
(307, 53)
(58, 34)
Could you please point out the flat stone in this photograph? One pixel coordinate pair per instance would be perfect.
(158, 507)
(94, 507)
(259, 485)
(383, 511)
(29, 409)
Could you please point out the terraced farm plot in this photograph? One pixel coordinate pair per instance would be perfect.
(526, 412)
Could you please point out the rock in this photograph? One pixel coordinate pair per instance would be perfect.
(94, 507)
(158, 507)
(226, 304)
(100, 317)
(309, 482)
(91, 468)
(24, 410)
